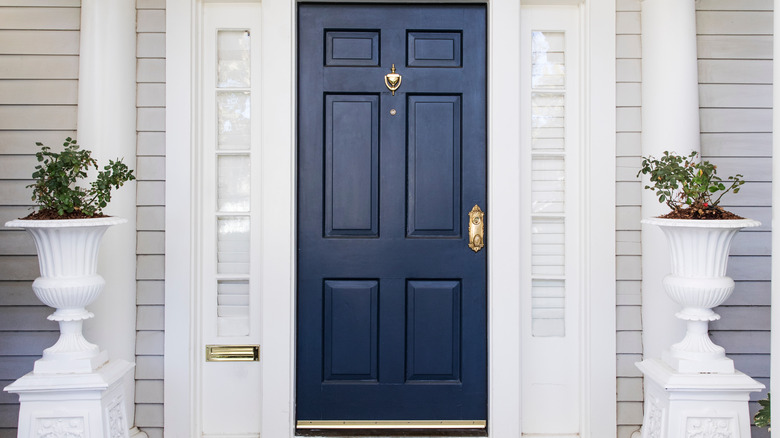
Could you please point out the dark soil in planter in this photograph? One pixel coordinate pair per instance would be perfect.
(715, 213)
(52, 214)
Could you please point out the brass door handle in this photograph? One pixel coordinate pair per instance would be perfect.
(476, 228)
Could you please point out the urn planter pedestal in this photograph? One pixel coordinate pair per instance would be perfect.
(695, 390)
(73, 389)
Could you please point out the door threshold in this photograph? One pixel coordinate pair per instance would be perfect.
(409, 433)
(407, 428)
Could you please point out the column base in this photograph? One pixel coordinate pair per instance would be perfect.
(687, 404)
(84, 404)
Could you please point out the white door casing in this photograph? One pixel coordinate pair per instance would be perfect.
(273, 409)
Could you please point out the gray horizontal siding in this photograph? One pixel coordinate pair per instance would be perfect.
(735, 76)
(38, 97)
(150, 168)
(628, 201)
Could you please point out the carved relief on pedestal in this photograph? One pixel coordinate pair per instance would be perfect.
(117, 425)
(710, 427)
(65, 427)
(653, 425)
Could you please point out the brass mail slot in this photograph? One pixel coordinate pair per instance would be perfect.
(392, 424)
(232, 353)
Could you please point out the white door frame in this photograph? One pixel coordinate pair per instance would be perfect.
(183, 356)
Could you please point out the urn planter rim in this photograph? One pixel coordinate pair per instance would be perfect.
(65, 223)
(702, 223)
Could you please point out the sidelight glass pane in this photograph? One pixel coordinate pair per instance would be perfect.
(548, 304)
(233, 120)
(233, 245)
(548, 250)
(233, 60)
(233, 308)
(233, 183)
(548, 69)
(548, 184)
(548, 111)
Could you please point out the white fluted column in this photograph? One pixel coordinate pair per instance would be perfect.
(107, 126)
(670, 121)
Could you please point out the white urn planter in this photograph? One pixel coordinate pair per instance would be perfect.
(698, 282)
(67, 257)
(73, 390)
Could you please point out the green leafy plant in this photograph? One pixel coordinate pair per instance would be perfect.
(687, 184)
(56, 188)
(762, 418)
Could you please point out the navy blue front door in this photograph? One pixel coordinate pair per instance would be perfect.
(391, 301)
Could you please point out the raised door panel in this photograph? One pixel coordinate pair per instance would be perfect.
(351, 165)
(434, 164)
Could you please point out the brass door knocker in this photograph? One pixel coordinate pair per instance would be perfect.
(393, 80)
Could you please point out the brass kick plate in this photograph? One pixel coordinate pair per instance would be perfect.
(392, 424)
(232, 353)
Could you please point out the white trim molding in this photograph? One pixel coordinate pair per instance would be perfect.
(278, 112)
